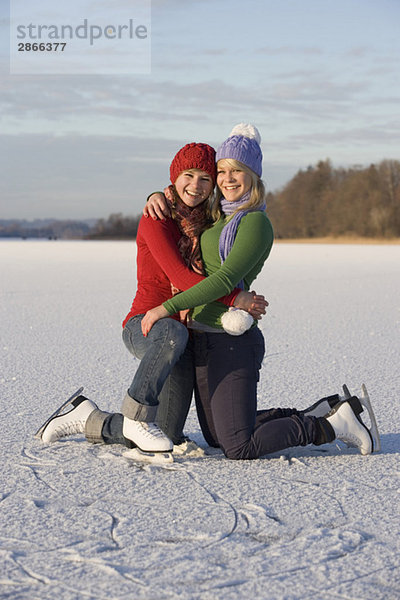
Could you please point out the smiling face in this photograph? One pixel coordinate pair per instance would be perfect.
(193, 187)
(232, 181)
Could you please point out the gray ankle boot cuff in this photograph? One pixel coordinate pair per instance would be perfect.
(132, 409)
(94, 426)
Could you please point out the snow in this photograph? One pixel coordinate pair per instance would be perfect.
(78, 521)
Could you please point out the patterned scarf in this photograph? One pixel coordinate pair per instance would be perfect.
(229, 231)
(191, 224)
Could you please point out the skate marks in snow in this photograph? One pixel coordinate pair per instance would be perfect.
(36, 465)
(244, 519)
(269, 524)
(268, 543)
(57, 538)
(78, 522)
(318, 527)
(82, 522)
(80, 577)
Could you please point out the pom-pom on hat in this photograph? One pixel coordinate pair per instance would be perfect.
(243, 144)
(194, 156)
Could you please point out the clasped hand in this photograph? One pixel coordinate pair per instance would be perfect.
(253, 303)
(250, 301)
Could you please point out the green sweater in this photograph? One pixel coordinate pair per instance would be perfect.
(250, 250)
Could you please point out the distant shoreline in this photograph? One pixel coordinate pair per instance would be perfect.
(320, 240)
(339, 240)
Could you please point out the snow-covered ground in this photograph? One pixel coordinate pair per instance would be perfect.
(78, 521)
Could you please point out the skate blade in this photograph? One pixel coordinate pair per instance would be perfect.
(154, 458)
(59, 410)
(366, 403)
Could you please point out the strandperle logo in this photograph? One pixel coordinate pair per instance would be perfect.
(80, 37)
(84, 31)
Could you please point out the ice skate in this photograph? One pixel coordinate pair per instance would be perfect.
(366, 403)
(348, 426)
(60, 424)
(322, 407)
(148, 437)
(154, 458)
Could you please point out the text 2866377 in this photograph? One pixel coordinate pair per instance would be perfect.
(42, 47)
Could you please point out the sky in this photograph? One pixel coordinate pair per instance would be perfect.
(319, 78)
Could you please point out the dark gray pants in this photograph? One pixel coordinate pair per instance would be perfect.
(227, 371)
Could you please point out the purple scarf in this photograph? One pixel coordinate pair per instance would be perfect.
(229, 231)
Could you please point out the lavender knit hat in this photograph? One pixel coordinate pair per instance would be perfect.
(243, 144)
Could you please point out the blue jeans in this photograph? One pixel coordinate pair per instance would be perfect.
(158, 353)
(162, 387)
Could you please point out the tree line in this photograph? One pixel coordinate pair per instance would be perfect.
(323, 201)
(117, 227)
(320, 201)
(43, 228)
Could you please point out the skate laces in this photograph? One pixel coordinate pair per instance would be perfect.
(152, 430)
(69, 428)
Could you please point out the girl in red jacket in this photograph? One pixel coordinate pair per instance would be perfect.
(156, 404)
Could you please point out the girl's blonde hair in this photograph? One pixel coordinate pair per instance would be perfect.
(257, 195)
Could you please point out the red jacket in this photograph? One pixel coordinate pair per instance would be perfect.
(159, 263)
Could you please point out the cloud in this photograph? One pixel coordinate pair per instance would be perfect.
(75, 176)
(71, 101)
(289, 50)
(79, 176)
(358, 52)
(345, 145)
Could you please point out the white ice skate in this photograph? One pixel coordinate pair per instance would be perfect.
(151, 443)
(61, 424)
(348, 426)
(366, 403)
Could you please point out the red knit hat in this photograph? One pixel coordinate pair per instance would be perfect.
(194, 156)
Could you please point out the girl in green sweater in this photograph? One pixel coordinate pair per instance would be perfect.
(227, 366)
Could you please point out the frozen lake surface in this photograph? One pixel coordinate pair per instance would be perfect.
(78, 521)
